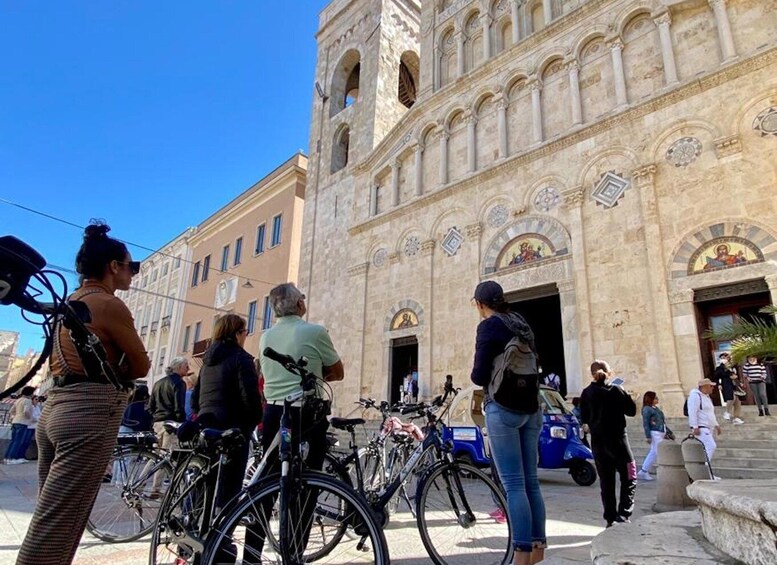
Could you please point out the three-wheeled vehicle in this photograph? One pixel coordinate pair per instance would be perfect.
(560, 445)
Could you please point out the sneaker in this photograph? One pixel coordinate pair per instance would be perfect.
(499, 516)
(726, 416)
(15, 461)
(645, 476)
(738, 421)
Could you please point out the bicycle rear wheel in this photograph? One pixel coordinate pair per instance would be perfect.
(130, 495)
(247, 533)
(456, 520)
(180, 522)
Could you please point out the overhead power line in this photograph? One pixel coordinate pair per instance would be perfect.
(139, 246)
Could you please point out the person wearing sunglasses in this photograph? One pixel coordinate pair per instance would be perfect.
(80, 420)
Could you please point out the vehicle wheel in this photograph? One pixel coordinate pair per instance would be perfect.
(127, 505)
(457, 517)
(583, 473)
(247, 533)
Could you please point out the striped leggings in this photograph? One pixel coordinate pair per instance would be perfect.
(76, 434)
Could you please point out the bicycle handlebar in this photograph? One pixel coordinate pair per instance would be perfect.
(297, 367)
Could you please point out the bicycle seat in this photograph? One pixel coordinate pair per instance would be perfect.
(345, 423)
(214, 435)
(171, 427)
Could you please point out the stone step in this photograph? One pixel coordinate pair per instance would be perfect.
(736, 453)
(744, 462)
(740, 473)
(740, 432)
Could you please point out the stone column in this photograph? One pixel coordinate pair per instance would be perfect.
(473, 232)
(419, 170)
(395, 166)
(724, 29)
(686, 339)
(573, 68)
(771, 282)
(660, 352)
(663, 21)
(570, 334)
(536, 109)
(616, 50)
(472, 164)
(444, 136)
(547, 11)
(501, 108)
(573, 202)
(460, 53)
(515, 16)
(485, 20)
(374, 198)
(437, 69)
(358, 294)
(425, 365)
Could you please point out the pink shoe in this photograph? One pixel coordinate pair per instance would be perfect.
(499, 516)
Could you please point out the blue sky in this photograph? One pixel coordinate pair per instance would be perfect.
(150, 115)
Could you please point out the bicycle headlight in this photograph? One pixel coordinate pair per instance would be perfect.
(558, 432)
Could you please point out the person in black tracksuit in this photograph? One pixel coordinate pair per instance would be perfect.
(603, 410)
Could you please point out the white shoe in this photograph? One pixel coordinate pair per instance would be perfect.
(714, 478)
(645, 476)
(15, 461)
(726, 416)
(738, 421)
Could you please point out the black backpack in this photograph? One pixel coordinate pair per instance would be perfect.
(685, 407)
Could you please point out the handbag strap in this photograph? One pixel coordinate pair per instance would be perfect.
(58, 326)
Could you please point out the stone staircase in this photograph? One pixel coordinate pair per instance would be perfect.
(746, 451)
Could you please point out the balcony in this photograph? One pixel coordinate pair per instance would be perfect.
(199, 347)
(154, 326)
(166, 323)
(143, 331)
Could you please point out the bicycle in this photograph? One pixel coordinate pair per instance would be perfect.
(127, 503)
(299, 515)
(454, 501)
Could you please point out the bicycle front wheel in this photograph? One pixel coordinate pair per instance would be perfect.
(458, 519)
(130, 495)
(320, 508)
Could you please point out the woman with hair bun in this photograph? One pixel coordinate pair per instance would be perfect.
(603, 411)
(80, 420)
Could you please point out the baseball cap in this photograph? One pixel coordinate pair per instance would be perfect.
(489, 293)
(706, 382)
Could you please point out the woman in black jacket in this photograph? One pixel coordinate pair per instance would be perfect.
(227, 394)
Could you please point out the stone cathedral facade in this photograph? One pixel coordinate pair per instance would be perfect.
(611, 163)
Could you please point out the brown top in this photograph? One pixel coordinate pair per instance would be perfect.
(111, 322)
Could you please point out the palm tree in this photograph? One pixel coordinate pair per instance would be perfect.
(750, 337)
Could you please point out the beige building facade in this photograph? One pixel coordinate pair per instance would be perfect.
(611, 163)
(156, 301)
(241, 252)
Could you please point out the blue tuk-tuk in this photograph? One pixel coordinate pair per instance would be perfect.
(560, 445)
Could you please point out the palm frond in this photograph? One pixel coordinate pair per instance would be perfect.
(748, 337)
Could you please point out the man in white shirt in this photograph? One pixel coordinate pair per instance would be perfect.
(701, 416)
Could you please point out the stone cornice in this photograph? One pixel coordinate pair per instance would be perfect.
(625, 115)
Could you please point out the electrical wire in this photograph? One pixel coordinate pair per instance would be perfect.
(139, 246)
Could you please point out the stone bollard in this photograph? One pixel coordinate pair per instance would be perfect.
(696, 460)
(672, 479)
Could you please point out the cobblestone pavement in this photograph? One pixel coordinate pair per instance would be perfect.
(574, 518)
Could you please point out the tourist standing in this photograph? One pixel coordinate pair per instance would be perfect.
(701, 416)
(37, 409)
(603, 408)
(728, 380)
(654, 424)
(408, 390)
(168, 402)
(136, 418)
(22, 418)
(513, 417)
(80, 419)
(755, 373)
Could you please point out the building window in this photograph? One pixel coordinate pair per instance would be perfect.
(276, 231)
(177, 261)
(205, 268)
(225, 258)
(170, 305)
(197, 329)
(238, 251)
(260, 231)
(186, 331)
(196, 274)
(165, 269)
(154, 275)
(145, 282)
(266, 314)
(409, 66)
(251, 317)
(345, 82)
(162, 355)
(340, 148)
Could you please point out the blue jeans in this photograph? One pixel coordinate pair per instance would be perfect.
(514, 440)
(18, 435)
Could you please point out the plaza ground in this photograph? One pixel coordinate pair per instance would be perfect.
(574, 518)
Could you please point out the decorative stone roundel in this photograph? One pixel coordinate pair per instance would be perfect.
(452, 241)
(379, 259)
(547, 199)
(412, 245)
(766, 122)
(684, 151)
(497, 216)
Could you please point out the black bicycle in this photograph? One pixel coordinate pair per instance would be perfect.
(296, 516)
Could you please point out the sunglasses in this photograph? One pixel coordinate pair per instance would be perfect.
(133, 266)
